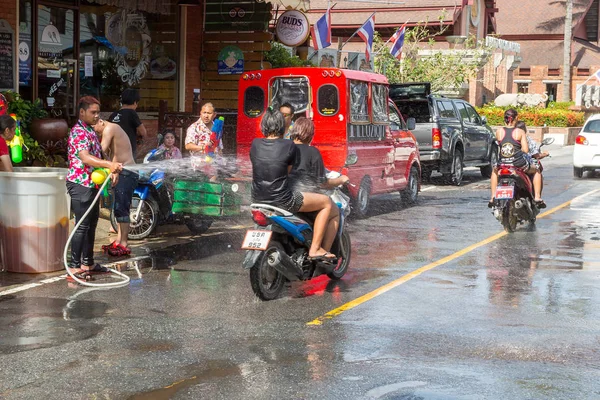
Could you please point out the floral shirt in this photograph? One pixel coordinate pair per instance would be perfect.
(82, 137)
(199, 134)
(171, 154)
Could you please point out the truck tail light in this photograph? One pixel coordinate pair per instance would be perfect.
(580, 139)
(436, 138)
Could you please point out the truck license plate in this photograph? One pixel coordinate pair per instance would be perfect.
(505, 192)
(256, 240)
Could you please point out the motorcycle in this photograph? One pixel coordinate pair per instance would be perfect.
(277, 248)
(152, 202)
(514, 198)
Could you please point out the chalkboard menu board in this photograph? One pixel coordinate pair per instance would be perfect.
(7, 56)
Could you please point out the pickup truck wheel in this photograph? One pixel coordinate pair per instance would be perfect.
(455, 178)
(363, 198)
(486, 171)
(410, 193)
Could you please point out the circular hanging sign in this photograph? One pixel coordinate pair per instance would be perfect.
(292, 28)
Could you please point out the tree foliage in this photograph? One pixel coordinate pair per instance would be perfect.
(422, 62)
(280, 57)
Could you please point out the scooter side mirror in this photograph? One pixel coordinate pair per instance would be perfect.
(548, 141)
(351, 159)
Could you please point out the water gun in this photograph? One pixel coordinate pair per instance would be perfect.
(215, 136)
(16, 144)
(99, 175)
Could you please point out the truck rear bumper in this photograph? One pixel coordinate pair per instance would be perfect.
(430, 156)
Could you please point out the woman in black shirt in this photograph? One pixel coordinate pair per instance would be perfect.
(272, 159)
(308, 174)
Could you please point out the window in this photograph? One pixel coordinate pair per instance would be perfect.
(254, 101)
(522, 87)
(292, 90)
(379, 103)
(592, 126)
(121, 48)
(464, 115)
(446, 109)
(328, 101)
(359, 94)
(419, 110)
(473, 115)
(396, 121)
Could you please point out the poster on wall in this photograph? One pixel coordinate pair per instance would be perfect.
(326, 58)
(230, 61)
(25, 59)
(7, 56)
(358, 61)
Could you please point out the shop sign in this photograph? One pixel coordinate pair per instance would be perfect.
(292, 28)
(241, 15)
(7, 56)
(231, 61)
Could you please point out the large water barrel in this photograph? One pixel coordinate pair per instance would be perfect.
(34, 219)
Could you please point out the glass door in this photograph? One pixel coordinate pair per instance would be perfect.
(56, 60)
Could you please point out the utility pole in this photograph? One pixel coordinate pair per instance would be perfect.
(566, 96)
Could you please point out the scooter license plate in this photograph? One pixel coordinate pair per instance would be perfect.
(505, 192)
(256, 240)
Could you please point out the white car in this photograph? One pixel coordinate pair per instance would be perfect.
(586, 152)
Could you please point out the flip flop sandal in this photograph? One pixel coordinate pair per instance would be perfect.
(98, 269)
(324, 258)
(105, 247)
(81, 275)
(118, 250)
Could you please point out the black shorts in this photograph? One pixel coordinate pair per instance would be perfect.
(295, 203)
(123, 193)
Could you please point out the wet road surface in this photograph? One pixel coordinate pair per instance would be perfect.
(514, 318)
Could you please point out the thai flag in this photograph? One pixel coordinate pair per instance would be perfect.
(367, 32)
(597, 75)
(398, 42)
(321, 32)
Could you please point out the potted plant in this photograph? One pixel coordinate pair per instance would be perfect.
(45, 138)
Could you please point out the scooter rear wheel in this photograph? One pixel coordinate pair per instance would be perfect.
(509, 219)
(344, 257)
(267, 283)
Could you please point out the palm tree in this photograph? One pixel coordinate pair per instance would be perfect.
(567, 52)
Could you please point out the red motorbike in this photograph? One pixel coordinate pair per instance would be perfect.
(514, 202)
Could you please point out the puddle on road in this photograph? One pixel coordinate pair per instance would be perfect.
(29, 323)
(211, 369)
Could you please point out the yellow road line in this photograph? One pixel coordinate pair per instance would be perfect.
(405, 278)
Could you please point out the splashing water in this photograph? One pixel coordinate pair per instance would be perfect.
(190, 167)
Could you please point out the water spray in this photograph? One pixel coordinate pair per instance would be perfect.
(99, 176)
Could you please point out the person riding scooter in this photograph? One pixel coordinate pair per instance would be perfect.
(514, 150)
(272, 159)
(309, 174)
(536, 155)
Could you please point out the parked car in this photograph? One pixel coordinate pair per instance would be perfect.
(353, 117)
(586, 152)
(450, 133)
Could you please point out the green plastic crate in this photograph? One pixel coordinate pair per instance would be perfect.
(206, 187)
(214, 211)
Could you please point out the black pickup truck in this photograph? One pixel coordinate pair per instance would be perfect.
(450, 133)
